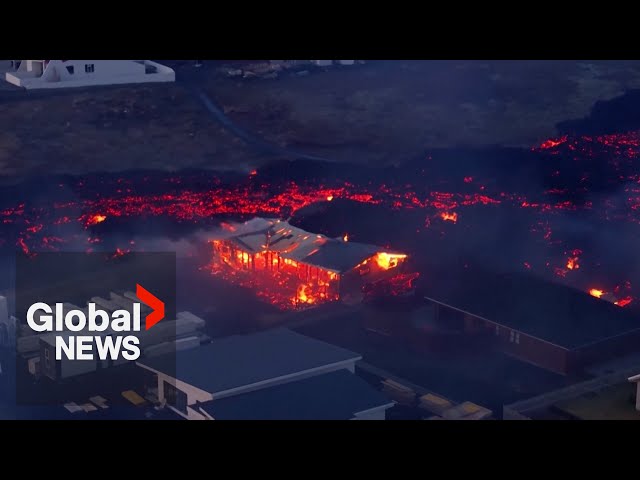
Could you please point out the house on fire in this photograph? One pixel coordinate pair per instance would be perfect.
(308, 268)
(549, 325)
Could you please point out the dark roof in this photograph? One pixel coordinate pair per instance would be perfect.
(341, 256)
(337, 395)
(241, 360)
(556, 313)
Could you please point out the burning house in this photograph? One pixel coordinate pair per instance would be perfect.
(295, 268)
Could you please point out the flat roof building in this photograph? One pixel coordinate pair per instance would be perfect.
(40, 74)
(547, 324)
(193, 382)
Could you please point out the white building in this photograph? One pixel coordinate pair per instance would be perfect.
(37, 74)
(276, 374)
(636, 379)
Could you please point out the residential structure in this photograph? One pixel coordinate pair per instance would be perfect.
(306, 267)
(274, 374)
(7, 325)
(39, 74)
(608, 397)
(552, 326)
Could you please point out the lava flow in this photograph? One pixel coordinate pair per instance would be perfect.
(571, 167)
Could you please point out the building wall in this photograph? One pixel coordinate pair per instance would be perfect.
(535, 351)
(518, 344)
(349, 365)
(48, 365)
(605, 350)
(56, 73)
(375, 414)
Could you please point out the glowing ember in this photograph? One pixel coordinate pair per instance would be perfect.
(623, 302)
(120, 253)
(449, 216)
(572, 261)
(551, 143)
(345, 238)
(32, 227)
(594, 292)
(95, 219)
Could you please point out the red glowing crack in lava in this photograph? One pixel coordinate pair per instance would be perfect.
(255, 198)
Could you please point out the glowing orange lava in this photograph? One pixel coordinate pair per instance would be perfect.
(551, 143)
(95, 219)
(329, 198)
(594, 292)
(449, 216)
(623, 302)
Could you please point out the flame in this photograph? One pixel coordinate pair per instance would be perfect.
(572, 263)
(623, 302)
(329, 198)
(346, 237)
(95, 219)
(389, 260)
(449, 216)
(303, 295)
(594, 292)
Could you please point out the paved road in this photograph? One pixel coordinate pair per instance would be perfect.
(193, 78)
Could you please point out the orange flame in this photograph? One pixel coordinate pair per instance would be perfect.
(449, 217)
(594, 292)
(389, 260)
(329, 198)
(346, 237)
(303, 295)
(95, 219)
(572, 263)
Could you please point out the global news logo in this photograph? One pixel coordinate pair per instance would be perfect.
(96, 334)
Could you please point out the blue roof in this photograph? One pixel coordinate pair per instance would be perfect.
(337, 395)
(240, 360)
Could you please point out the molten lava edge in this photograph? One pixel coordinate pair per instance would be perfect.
(50, 227)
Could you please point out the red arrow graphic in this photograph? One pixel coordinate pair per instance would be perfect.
(152, 301)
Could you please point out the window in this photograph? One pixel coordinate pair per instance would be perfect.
(512, 336)
(174, 397)
(89, 68)
(70, 69)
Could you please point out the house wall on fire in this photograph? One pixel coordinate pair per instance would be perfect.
(324, 268)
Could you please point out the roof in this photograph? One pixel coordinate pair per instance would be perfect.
(241, 360)
(341, 256)
(291, 242)
(336, 395)
(556, 313)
